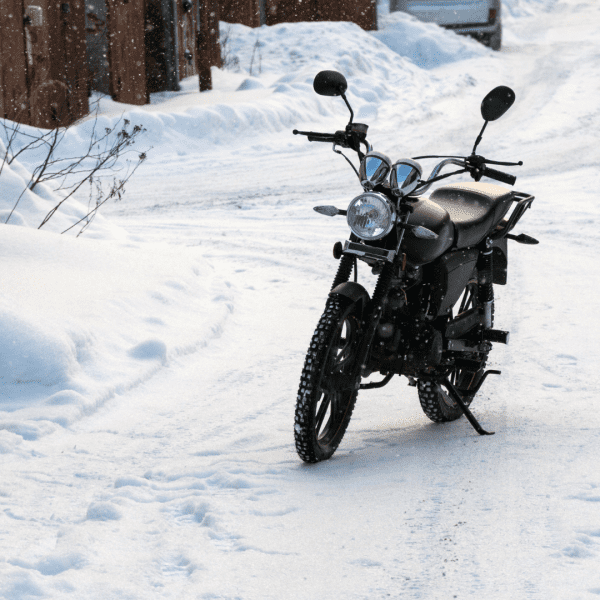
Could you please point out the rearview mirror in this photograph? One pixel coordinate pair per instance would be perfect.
(497, 102)
(330, 83)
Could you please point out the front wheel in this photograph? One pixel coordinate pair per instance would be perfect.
(329, 382)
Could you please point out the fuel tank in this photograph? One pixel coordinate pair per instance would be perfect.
(428, 214)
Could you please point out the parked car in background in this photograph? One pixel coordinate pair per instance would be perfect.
(480, 19)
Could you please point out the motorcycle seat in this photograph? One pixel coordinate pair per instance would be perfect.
(474, 209)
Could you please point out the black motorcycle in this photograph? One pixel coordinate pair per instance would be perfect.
(431, 313)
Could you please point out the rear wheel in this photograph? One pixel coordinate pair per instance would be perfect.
(466, 373)
(329, 382)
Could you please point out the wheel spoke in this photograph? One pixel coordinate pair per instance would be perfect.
(345, 345)
(467, 299)
(471, 381)
(322, 412)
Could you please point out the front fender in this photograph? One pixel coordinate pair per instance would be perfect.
(353, 291)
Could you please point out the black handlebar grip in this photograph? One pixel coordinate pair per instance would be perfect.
(499, 176)
(321, 137)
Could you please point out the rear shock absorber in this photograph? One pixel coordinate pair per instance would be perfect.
(485, 293)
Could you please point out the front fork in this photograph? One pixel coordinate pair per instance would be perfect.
(373, 311)
(344, 270)
(375, 308)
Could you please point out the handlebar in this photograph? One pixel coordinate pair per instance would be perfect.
(339, 137)
(475, 165)
(478, 169)
(314, 136)
(354, 135)
(499, 176)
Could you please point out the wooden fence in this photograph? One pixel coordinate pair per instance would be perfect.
(150, 45)
(54, 52)
(14, 99)
(361, 12)
(246, 12)
(43, 78)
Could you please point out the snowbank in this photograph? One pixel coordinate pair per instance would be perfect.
(267, 85)
(83, 320)
(426, 44)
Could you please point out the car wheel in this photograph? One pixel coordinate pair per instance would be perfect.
(494, 41)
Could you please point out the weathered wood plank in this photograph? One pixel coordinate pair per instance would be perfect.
(13, 67)
(96, 31)
(361, 12)
(187, 28)
(246, 12)
(57, 62)
(127, 53)
(290, 11)
(208, 47)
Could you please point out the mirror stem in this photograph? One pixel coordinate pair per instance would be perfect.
(479, 137)
(349, 108)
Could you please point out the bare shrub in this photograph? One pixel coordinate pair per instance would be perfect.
(100, 162)
(229, 60)
(256, 55)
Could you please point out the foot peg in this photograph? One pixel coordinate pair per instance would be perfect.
(496, 335)
(523, 238)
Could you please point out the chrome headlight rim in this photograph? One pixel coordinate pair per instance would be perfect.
(389, 206)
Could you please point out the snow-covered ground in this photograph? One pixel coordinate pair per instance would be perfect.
(148, 369)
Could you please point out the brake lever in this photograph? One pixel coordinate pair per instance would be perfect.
(504, 164)
(477, 161)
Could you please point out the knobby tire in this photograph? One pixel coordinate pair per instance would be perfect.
(329, 382)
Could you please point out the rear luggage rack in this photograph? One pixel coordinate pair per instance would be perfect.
(523, 203)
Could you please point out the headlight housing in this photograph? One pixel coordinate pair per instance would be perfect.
(374, 169)
(405, 177)
(371, 216)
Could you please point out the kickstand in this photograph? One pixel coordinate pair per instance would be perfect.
(459, 400)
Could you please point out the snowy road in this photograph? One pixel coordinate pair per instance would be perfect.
(187, 485)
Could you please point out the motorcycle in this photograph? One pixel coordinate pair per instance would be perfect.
(431, 314)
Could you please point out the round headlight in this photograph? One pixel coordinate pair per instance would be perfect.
(371, 216)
